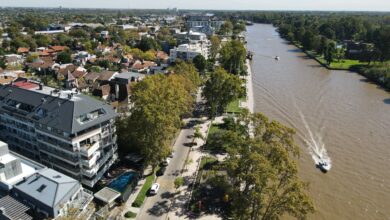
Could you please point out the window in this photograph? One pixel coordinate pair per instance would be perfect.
(41, 188)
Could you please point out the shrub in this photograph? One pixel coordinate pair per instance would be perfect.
(130, 214)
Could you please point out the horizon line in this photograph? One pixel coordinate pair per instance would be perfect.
(194, 9)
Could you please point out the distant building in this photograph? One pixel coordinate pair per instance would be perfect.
(189, 51)
(64, 130)
(196, 20)
(191, 37)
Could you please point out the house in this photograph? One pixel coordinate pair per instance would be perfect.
(65, 130)
(162, 57)
(104, 34)
(50, 194)
(58, 49)
(23, 50)
(43, 64)
(13, 59)
(189, 51)
(121, 84)
(141, 66)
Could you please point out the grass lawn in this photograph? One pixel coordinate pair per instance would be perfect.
(145, 188)
(234, 106)
(214, 129)
(345, 64)
(202, 172)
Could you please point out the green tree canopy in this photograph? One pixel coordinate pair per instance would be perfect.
(233, 55)
(200, 62)
(64, 57)
(220, 89)
(261, 172)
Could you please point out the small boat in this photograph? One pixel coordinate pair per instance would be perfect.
(323, 165)
(277, 58)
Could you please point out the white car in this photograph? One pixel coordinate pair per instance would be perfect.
(154, 189)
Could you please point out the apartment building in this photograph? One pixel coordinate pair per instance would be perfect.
(189, 51)
(64, 130)
(201, 20)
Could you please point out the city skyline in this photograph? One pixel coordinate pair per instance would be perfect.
(331, 5)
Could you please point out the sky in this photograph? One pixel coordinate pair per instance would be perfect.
(318, 5)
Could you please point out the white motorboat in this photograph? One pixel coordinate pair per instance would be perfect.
(277, 58)
(323, 164)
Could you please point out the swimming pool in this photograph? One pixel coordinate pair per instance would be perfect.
(121, 182)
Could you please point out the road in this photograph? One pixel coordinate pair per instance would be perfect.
(157, 206)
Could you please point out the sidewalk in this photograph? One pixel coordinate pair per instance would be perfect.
(249, 103)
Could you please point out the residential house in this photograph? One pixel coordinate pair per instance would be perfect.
(121, 84)
(162, 57)
(50, 194)
(141, 66)
(64, 130)
(23, 50)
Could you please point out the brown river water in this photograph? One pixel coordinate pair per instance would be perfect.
(338, 110)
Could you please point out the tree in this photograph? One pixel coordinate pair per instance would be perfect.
(158, 101)
(382, 43)
(261, 172)
(200, 63)
(233, 55)
(30, 58)
(179, 181)
(340, 53)
(329, 52)
(226, 28)
(64, 57)
(220, 89)
(148, 43)
(215, 45)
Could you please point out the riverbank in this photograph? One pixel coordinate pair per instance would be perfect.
(359, 68)
(249, 102)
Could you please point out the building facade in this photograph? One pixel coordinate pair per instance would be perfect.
(64, 130)
(189, 51)
(202, 20)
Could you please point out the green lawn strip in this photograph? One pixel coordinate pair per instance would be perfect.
(234, 107)
(130, 214)
(144, 190)
(203, 162)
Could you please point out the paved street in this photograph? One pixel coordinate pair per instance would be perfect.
(158, 206)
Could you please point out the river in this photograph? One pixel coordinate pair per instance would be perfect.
(349, 115)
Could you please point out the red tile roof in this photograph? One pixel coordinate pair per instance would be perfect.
(26, 85)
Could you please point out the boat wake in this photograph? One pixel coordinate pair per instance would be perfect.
(316, 147)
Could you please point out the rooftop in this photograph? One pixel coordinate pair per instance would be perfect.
(13, 209)
(48, 186)
(107, 195)
(66, 111)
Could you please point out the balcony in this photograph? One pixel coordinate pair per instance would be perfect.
(91, 162)
(91, 172)
(89, 149)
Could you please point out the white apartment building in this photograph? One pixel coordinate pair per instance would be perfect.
(64, 130)
(189, 51)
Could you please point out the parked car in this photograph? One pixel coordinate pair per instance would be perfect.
(171, 154)
(154, 189)
(165, 162)
(161, 171)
